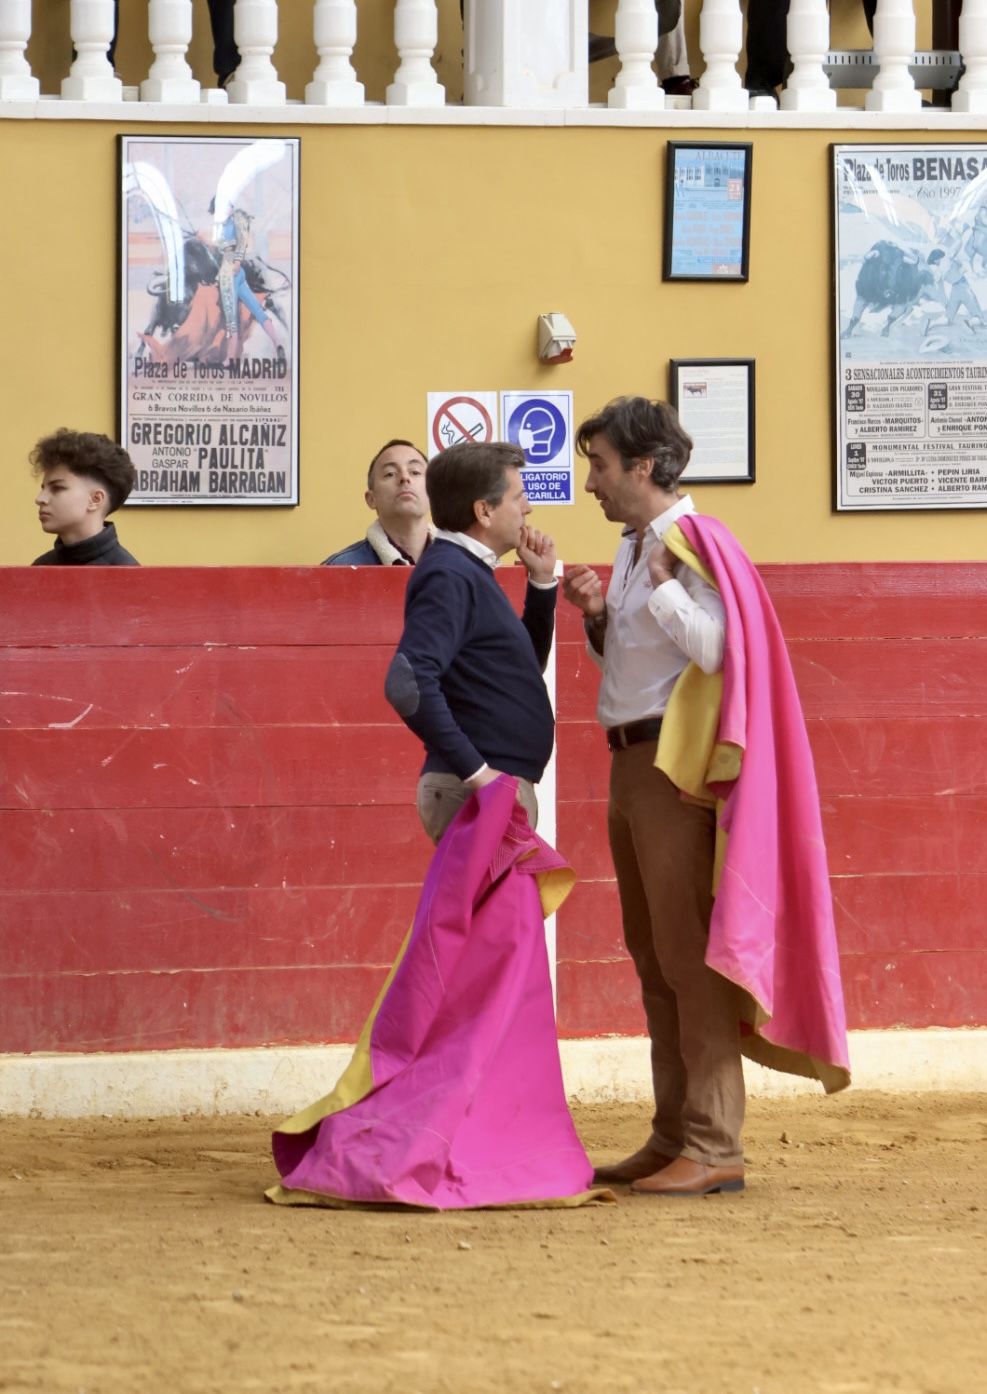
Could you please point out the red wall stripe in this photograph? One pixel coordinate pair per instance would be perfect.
(206, 826)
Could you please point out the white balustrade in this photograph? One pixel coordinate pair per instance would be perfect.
(416, 32)
(169, 24)
(721, 34)
(255, 28)
(808, 86)
(518, 54)
(91, 77)
(334, 82)
(894, 43)
(16, 81)
(522, 55)
(971, 95)
(636, 35)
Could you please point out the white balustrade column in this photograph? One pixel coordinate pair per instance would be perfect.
(255, 28)
(971, 95)
(334, 81)
(169, 24)
(721, 34)
(16, 82)
(520, 54)
(894, 45)
(416, 32)
(808, 86)
(91, 77)
(635, 87)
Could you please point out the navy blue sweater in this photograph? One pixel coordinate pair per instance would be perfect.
(467, 675)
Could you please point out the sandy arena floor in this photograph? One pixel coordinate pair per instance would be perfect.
(139, 1258)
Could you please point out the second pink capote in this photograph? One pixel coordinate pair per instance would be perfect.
(463, 1103)
(772, 929)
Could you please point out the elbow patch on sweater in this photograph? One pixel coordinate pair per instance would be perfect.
(401, 686)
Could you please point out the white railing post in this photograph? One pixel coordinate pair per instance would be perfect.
(91, 77)
(255, 28)
(971, 95)
(635, 87)
(894, 44)
(721, 34)
(334, 81)
(169, 25)
(16, 81)
(416, 32)
(520, 54)
(808, 86)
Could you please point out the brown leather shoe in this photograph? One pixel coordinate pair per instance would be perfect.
(684, 1177)
(645, 1162)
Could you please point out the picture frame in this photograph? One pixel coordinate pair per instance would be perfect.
(715, 400)
(909, 326)
(208, 262)
(707, 211)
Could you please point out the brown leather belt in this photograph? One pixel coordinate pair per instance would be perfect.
(620, 737)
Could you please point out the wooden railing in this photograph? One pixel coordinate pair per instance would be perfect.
(516, 55)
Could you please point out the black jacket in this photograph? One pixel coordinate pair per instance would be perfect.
(101, 550)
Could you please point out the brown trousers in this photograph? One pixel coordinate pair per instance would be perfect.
(663, 855)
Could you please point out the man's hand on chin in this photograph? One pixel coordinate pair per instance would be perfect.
(537, 552)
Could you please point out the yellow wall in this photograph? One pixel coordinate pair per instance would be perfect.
(427, 253)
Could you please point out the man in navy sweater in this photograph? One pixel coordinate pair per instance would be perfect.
(467, 674)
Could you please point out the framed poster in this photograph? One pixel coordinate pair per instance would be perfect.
(707, 211)
(208, 276)
(910, 256)
(714, 398)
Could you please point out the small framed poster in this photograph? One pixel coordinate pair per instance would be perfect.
(714, 398)
(707, 211)
(208, 348)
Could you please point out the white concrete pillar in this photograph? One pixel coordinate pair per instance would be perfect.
(255, 28)
(334, 82)
(971, 95)
(91, 77)
(169, 24)
(16, 81)
(636, 34)
(721, 35)
(522, 54)
(416, 32)
(894, 44)
(808, 86)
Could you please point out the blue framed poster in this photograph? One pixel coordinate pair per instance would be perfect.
(707, 211)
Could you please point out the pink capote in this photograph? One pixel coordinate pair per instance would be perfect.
(772, 928)
(467, 1106)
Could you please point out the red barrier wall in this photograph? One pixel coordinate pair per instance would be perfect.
(207, 833)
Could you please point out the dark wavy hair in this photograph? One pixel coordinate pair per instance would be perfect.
(85, 453)
(639, 430)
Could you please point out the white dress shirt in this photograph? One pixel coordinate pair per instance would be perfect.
(654, 632)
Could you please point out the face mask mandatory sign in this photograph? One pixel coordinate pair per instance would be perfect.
(542, 426)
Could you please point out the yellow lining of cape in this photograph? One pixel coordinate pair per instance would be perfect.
(688, 751)
(282, 1195)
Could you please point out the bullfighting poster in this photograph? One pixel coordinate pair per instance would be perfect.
(209, 318)
(911, 326)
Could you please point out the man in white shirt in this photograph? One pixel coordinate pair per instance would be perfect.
(656, 618)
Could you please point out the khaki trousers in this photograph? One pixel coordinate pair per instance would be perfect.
(441, 796)
(663, 855)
